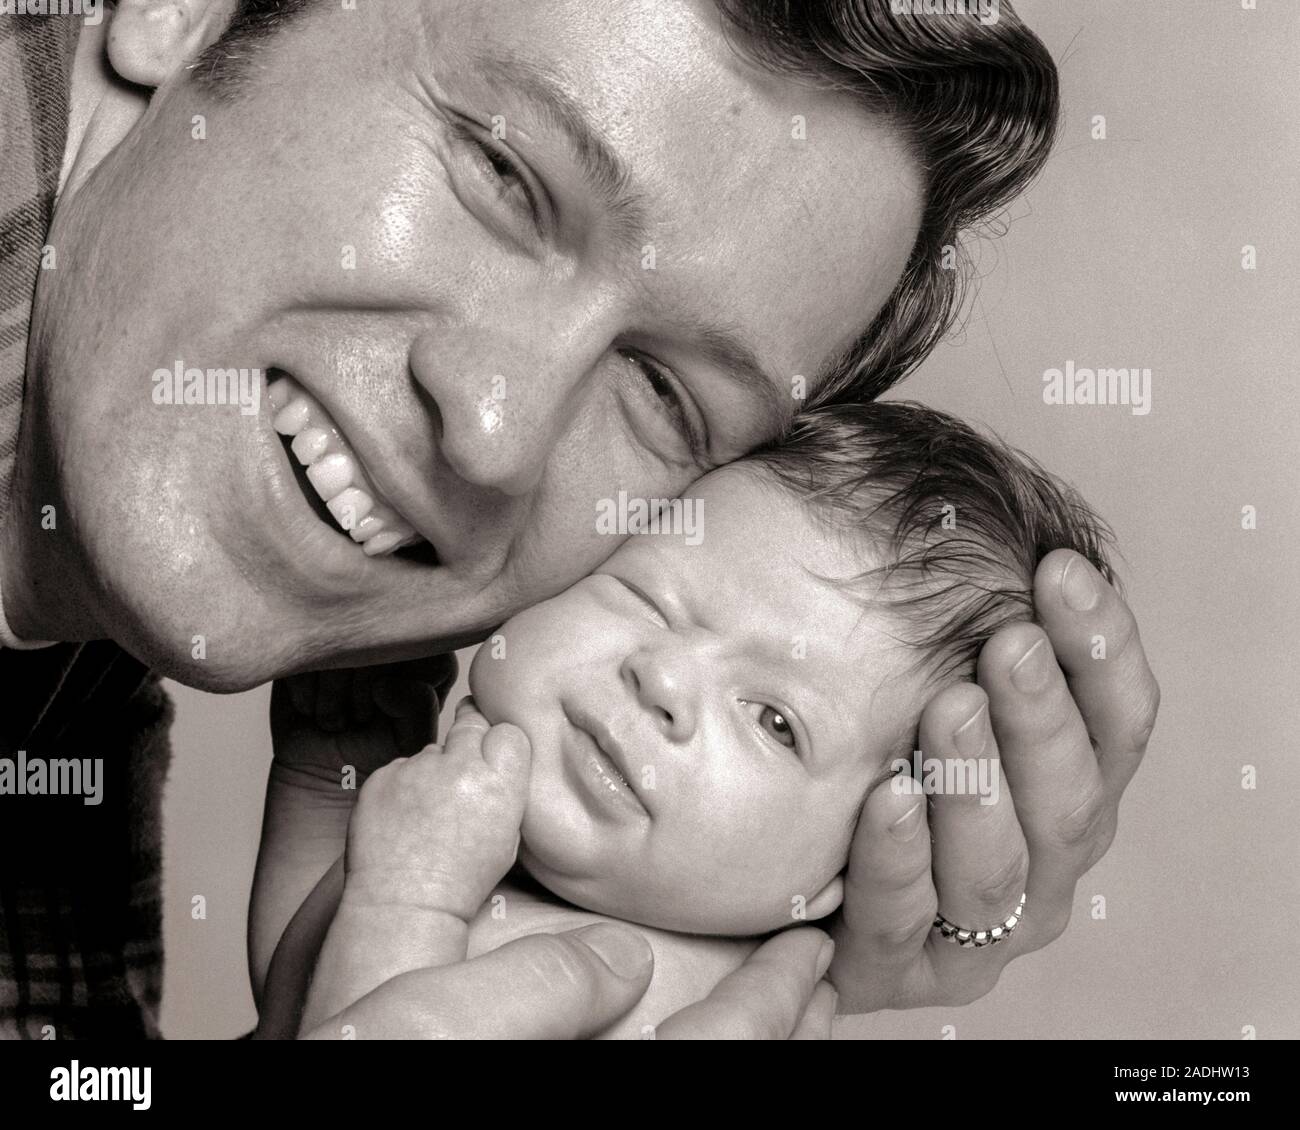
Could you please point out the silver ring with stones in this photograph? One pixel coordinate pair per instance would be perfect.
(978, 938)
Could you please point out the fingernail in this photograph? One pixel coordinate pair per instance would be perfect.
(625, 951)
(1030, 675)
(972, 735)
(905, 827)
(824, 958)
(1078, 586)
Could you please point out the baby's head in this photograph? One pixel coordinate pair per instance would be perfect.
(706, 719)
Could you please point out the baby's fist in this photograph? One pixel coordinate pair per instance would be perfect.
(440, 829)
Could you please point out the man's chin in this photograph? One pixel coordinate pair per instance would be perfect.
(229, 666)
(213, 665)
(222, 649)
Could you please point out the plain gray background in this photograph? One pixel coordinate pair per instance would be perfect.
(1127, 253)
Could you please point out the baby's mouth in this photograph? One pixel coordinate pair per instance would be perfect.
(333, 477)
(602, 757)
(608, 771)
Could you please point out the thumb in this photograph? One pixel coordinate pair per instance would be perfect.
(507, 750)
(543, 987)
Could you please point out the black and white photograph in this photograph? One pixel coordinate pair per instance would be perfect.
(655, 520)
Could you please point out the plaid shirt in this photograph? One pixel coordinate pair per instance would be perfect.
(80, 892)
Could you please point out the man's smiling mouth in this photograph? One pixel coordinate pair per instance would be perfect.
(332, 475)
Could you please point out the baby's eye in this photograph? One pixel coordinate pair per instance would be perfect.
(773, 722)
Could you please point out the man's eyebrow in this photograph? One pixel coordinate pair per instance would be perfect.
(604, 170)
(727, 351)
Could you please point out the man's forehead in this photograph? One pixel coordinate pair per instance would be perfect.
(706, 161)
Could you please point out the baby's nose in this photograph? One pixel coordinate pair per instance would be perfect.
(663, 686)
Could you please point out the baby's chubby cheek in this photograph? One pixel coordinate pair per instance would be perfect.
(510, 683)
(519, 672)
(485, 684)
(504, 672)
(498, 697)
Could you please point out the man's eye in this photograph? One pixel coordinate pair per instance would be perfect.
(672, 403)
(497, 167)
(772, 722)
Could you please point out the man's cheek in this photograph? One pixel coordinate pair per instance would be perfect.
(598, 517)
(561, 547)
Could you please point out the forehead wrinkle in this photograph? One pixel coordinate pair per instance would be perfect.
(603, 168)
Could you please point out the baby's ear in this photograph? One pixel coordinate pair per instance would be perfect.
(827, 900)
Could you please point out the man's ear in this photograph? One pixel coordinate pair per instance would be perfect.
(119, 62)
(827, 900)
(150, 40)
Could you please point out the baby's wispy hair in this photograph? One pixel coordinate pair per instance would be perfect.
(957, 521)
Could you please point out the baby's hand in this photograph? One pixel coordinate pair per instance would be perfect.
(440, 829)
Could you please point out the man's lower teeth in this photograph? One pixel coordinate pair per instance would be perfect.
(335, 474)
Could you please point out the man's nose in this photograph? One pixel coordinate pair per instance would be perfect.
(663, 683)
(505, 393)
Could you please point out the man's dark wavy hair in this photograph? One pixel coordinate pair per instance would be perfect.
(976, 103)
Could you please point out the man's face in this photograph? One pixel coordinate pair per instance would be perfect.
(705, 719)
(409, 211)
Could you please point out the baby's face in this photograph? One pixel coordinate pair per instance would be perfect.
(705, 719)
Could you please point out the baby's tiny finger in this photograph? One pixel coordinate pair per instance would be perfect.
(465, 736)
(507, 750)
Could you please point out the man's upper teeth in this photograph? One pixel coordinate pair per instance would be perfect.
(335, 472)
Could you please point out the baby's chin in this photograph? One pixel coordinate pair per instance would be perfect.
(569, 885)
(596, 894)
(573, 883)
